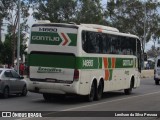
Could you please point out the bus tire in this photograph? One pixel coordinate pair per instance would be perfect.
(47, 97)
(91, 95)
(156, 82)
(99, 91)
(128, 91)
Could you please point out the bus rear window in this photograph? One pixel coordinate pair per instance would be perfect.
(94, 42)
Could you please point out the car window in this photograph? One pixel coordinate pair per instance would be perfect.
(7, 73)
(0, 71)
(15, 75)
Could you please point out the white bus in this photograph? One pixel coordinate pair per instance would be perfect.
(85, 59)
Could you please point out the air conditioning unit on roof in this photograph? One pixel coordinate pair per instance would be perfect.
(95, 26)
(43, 21)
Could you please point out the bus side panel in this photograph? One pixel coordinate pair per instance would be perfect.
(84, 85)
(86, 79)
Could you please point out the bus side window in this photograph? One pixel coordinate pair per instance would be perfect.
(84, 41)
(92, 42)
(104, 43)
(100, 45)
(139, 54)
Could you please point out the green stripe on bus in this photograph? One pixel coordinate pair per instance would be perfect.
(73, 38)
(111, 73)
(100, 63)
(46, 60)
(124, 63)
(87, 63)
(109, 63)
(65, 61)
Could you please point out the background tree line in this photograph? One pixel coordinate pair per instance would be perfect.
(127, 16)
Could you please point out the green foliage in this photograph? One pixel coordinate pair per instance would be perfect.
(7, 51)
(1, 51)
(89, 11)
(129, 16)
(10, 13)
(79, 11)
(54, 10)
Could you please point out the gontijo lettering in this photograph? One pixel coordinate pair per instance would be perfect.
(45, 38)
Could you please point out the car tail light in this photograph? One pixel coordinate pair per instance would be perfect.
(76, 75)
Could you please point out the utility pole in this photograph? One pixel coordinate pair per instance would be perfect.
(144, 35)
(18, 42)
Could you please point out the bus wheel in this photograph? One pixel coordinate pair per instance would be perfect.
(91, 96)
(129, 90)
(99, 91)
(156, 82)
(47, 97)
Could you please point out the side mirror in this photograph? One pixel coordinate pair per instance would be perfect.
(21, 77)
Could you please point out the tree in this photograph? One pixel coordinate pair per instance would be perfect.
(90, 11)
(130, 16)
(12, 19)
(54, 10)
(7, 50)
(153, 52)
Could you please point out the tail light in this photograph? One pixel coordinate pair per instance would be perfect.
(76, 75)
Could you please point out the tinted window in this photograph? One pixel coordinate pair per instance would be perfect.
(8, 74)
(15, 75)
(158, 63)
(139, 54)
(94, 42)
(0, 71)
(91, 42)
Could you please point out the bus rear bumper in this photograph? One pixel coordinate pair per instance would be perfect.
(54, 88)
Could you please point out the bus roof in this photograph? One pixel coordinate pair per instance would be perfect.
(107, 29)
(95, 26)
